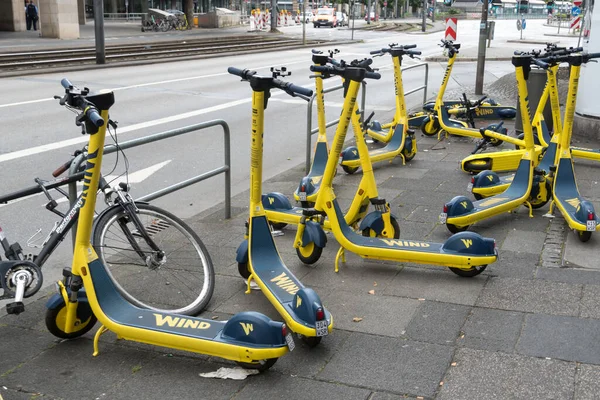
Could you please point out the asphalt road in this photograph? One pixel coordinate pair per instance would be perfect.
(38, 135)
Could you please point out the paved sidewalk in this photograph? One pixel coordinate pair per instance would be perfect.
(527, 328)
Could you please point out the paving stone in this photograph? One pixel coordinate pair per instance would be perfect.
(222, 258)
(482, 375)
(356, 276)
(415, 230)
(590, 302)
(565, 338)
(531, 296)
(512, 264)
(307, 362)
(527, 242)
(439, 323)
(50, 374)
(409, 173)
(492, 330)
(581, 255)
(437, 284)
(389, 396)
(225, 288)
(569, 275)
(435, 200)
(9, 394)
(389, 364)
(270, 386)
(32, 318)
(425, 214)
(14, 354)
(175, 378)
(381, 315)
(587, 382)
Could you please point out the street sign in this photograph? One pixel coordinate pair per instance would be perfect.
(385, 3)
(523, 24)
(575, 11)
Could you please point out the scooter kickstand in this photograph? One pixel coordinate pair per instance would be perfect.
(248, 289)
(340, 254)
(99, 333)
(528, 204)
(403, 159)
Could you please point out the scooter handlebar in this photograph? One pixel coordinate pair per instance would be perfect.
(379, 51)
(66, 83)
(372, 75)
(540, 63)
(414, 52)
(242, 73)
(409, 46)
(292, 89)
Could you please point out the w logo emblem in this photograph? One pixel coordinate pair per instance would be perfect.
(271, 200)
(247, 327)
(467, 242)
(463, 204)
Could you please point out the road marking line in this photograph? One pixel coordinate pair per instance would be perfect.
(69, 142)
(146, 84)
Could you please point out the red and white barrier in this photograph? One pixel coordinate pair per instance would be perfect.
(451, 29)
(576, 22)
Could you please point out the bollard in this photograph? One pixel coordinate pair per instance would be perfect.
(535, 87)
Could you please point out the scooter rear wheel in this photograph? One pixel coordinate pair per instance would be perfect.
(243, 270)
(584, 236)
(408, 154)
(278, 225)
(311, 341)
(57, 317)
(455, 229)
(349, 170)
(310, 253)
(261, 365)
(469, 273)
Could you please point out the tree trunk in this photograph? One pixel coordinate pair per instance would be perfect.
(188, 9)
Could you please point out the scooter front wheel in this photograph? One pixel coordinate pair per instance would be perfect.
(469, 273)
(278, 225)
(584, 236)
(368, 232)
(408, 154)
(261, 365)
(243, 270)
(430, 126)
(310, 253)
(56, 319)
(455, 229)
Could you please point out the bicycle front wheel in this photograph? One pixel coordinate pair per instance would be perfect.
(155, 260)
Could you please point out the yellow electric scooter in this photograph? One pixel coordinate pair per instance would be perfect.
(379, 222)
(529, 187)
(300, 307)
(578, 212)
(400, 140)
(440, 119)
(249, 338)
(466, 254)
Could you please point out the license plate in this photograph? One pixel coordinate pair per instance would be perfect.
(289, 340)
(469, 187)
(302, 196)
(443, 217)
(341, 160)
(591, 226)
(322, 328)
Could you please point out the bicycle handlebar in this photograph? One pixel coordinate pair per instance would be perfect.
(60, 170)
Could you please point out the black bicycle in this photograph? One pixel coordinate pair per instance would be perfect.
(155, 259)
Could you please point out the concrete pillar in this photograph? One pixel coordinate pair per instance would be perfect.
(81, 11)
(59, 19)
(12, 15)
(586, 122)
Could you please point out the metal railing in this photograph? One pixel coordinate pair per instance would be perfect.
(309, 129)
(224, 169)
(123, 16)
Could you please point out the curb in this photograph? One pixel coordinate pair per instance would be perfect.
(526, 41)
(85, 67)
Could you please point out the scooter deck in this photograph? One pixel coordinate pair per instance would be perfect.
(315, 174)
(403, 250)
(178, 331)
(452, 123)
(515, 195)
(389, 151)
(278, 284)
(505, 181)
(567, 197)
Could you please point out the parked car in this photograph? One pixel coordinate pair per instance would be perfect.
(308, 17)
(373, 17)
(175, 12)
(325, 17)
(342, 18)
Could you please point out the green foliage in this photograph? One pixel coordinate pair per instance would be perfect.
(453, 11)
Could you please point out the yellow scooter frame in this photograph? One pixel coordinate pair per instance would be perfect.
(251, 339)
(460, 212)
(578, 212)
(466, 254)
